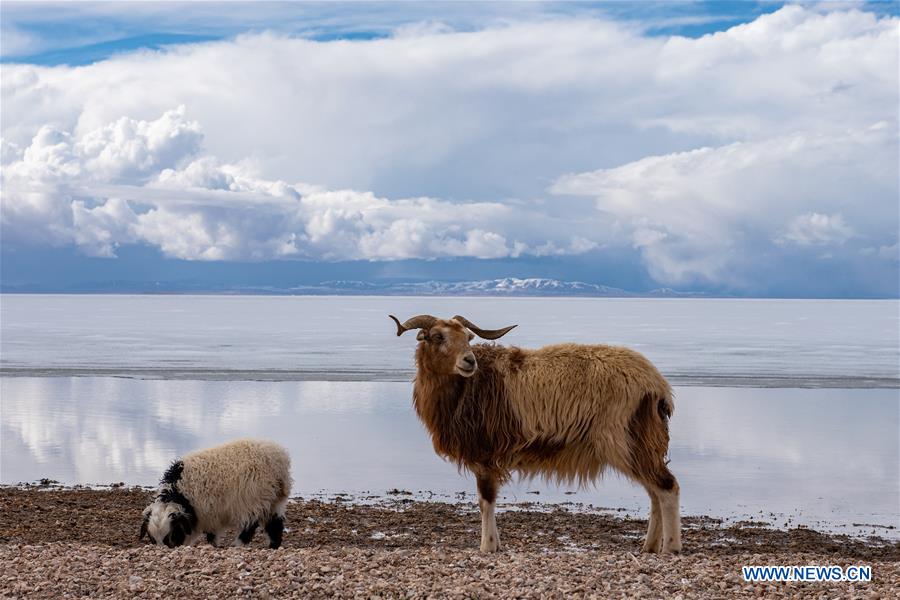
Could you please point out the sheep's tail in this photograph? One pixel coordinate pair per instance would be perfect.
(649, 440)
(665, 407)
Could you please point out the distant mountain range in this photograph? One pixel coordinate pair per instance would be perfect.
(508, 286)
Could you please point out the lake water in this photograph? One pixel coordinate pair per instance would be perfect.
(99, 389)
(832, 343)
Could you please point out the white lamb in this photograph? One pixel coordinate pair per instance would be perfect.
(242, 484)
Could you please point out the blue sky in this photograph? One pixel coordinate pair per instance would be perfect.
(80, 33)
(730, 147)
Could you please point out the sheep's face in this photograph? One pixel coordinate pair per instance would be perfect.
(444, 349)
(444, 344)
(166, 523)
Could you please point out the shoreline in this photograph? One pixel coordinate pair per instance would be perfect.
(750, 380)
(397, 499)
(117, 500)
(85, 542)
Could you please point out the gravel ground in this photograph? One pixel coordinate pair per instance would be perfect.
(76, 543)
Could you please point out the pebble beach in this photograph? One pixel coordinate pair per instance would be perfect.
(68, 543)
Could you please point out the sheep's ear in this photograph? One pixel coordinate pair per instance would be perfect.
(422, 335)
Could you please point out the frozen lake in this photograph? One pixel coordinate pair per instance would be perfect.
(776, 343)
(825, 457)
(787, 410)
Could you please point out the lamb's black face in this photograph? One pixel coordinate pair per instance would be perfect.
(181, 529)
(167, 523)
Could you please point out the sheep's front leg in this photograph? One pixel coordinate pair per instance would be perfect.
(487, 499)
(214, 537)
(653, 542)
(246, 535)
(193, 538)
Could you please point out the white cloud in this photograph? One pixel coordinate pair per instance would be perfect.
(708, 156)
(9, 152)
(817, 229)
(66, 188)
(498, 111)
(43, 198)
(794, 69)
(100, 229)
(702, 215)
(128, 149)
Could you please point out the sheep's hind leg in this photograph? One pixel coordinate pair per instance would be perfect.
(669, 505)
(275, 531)
(664, 527)
(246, 535)
(275, 525)
(487, 500)
(653, 542)
(646, 463)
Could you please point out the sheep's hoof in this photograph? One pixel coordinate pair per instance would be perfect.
(491, 544)
(671, 544)
(652, 544)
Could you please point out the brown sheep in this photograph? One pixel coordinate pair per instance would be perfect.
(562, 412)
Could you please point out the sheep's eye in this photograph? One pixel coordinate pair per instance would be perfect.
(437, 338)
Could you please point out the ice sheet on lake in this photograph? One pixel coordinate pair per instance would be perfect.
(780, 343)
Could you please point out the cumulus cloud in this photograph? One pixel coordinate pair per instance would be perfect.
(128, 149)
(66, 188)
(702, 215)
(712, 157)
(486, 113)
(44, 197)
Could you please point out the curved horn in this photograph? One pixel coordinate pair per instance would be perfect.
(487, 334)
(417, 322)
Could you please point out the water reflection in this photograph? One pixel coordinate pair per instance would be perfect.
(819, 456)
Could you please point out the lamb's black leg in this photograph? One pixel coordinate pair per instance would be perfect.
(247, 534)
(275, 531)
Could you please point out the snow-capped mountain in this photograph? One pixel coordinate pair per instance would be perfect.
(512, 286)
(507, 286)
